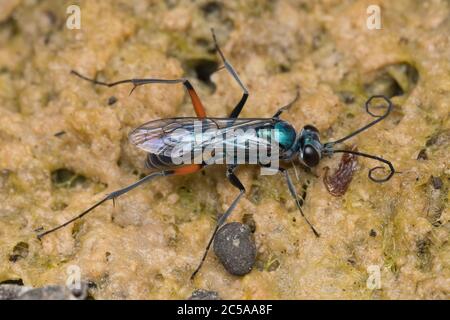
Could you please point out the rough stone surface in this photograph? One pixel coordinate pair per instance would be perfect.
(147, 246)
(52, 292)
(235, 247)
(12, 291)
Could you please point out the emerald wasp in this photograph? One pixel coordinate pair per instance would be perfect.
(159, 138)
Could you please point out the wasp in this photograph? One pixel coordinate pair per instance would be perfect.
(159, 138)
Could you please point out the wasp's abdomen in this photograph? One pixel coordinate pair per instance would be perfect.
(158, 161)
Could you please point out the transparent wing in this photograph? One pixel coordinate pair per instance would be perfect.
(194, 134)
(242, 141)
(154, 136)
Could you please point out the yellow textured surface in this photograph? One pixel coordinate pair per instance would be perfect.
(148, 245)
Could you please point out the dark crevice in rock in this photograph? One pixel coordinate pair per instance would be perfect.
(393, 80)
(203, 69)
(65, 178)
(20, 251)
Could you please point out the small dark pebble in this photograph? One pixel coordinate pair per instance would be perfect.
(201, 294)
(112, 100)
(347, 97)
(211, 7)
(60, 133)
(235, 247)
(351, 261)
(91, 284)
(436, 182)
(403, 41)
(273, 266)
(372, 233)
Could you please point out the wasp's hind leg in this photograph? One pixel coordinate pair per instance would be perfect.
(240, 105)
(196, 102)
(113, 195)
(234, 180)
(304, 193)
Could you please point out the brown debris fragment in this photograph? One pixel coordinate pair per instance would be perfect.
(337, 183)
(436, 194)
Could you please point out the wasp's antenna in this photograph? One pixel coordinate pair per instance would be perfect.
(367, 126)
(329, 150)
(371, 177)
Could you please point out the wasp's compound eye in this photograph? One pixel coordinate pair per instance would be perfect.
(311, 156)
(310, 128)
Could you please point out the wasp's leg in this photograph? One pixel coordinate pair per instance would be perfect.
(238, 108)
(196, 102)
(288, 106)
(236, 183)
(297, 201)
(113, 195)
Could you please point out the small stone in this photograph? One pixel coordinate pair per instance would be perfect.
(60, 133)
(11, 291)
(201, 294)
(112, 100)
(45, 293)
(91, 284)
(235, 247)
(55, 292)
(347, 97)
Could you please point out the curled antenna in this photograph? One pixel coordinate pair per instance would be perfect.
(371, 177)
(328, 148)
